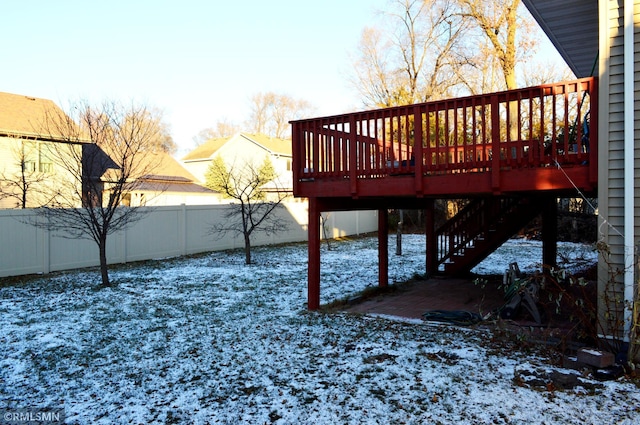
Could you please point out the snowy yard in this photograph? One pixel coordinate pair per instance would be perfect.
(207, 340)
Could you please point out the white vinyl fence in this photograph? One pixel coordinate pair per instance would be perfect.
(163, 232)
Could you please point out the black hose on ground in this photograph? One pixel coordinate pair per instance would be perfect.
(456, 317)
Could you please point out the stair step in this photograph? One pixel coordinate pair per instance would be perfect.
(477, 241)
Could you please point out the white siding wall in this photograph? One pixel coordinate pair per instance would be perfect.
(611, 139)
(238, 151)
(197, 168)
(164, 232)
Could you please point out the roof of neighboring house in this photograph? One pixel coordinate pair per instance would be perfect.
(211, 146)
(169, 175)
(166, 174)
(272, 144)
(169, 168)
(207, 149)
(26, 116)
(172, 186)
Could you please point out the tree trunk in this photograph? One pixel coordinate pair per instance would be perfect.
(104, 271)
(247, 249)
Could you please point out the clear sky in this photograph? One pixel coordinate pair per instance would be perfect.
(199, 61)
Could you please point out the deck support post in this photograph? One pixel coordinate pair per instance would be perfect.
(313, 278)
(549, 232)
(383, 248)
(432, 243)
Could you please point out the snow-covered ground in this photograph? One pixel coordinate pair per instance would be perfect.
(208, 340)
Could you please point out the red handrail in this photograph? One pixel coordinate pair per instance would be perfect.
(524, 128)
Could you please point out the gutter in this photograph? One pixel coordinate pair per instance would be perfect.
(629, 145)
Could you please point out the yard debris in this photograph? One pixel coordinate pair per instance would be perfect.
(520, 293)
(596, 358)
(547, 378)
(601, 364)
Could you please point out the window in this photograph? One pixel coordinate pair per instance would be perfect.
(28, 166)
(37, 156)
(29, 156)
(45, 158)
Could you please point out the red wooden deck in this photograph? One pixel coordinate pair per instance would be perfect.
(505, 142)
(536, 140)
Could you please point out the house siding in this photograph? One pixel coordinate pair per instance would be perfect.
(240, 150)
(6, 169)
(42, 182)
(611, 161)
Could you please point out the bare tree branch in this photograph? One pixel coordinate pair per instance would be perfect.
(409, 58)
(257, 194)
(103, 157)
(271, 113)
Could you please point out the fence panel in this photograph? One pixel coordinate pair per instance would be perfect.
(163, 232)
(157, 235)
(21, 245)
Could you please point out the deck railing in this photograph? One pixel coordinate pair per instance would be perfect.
(524, 128)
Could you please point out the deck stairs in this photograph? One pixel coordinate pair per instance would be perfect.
(480, 228)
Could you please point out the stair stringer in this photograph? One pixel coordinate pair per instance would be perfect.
(481, 228)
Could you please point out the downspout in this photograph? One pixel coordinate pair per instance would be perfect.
(629, 144)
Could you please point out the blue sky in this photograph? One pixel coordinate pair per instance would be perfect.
(199, 61)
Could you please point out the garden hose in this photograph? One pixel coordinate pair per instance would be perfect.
(456, 317)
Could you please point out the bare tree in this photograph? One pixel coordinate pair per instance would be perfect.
(431, 49)
(498, 22)
(410, 58)
(87, 202)
(257, 196)
(538, 73)
(259, 115)
(162, 141)
(22, 184)
(271, 113)
(501, 35)
(223, 128)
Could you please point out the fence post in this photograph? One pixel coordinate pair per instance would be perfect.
(183, 229)
(46, 248)
(123, 245)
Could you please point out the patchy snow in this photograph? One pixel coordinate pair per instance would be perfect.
(208, 340)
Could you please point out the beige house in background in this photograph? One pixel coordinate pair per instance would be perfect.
(28, 150)
(29, 173)
(170, 184)
(242, 148)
